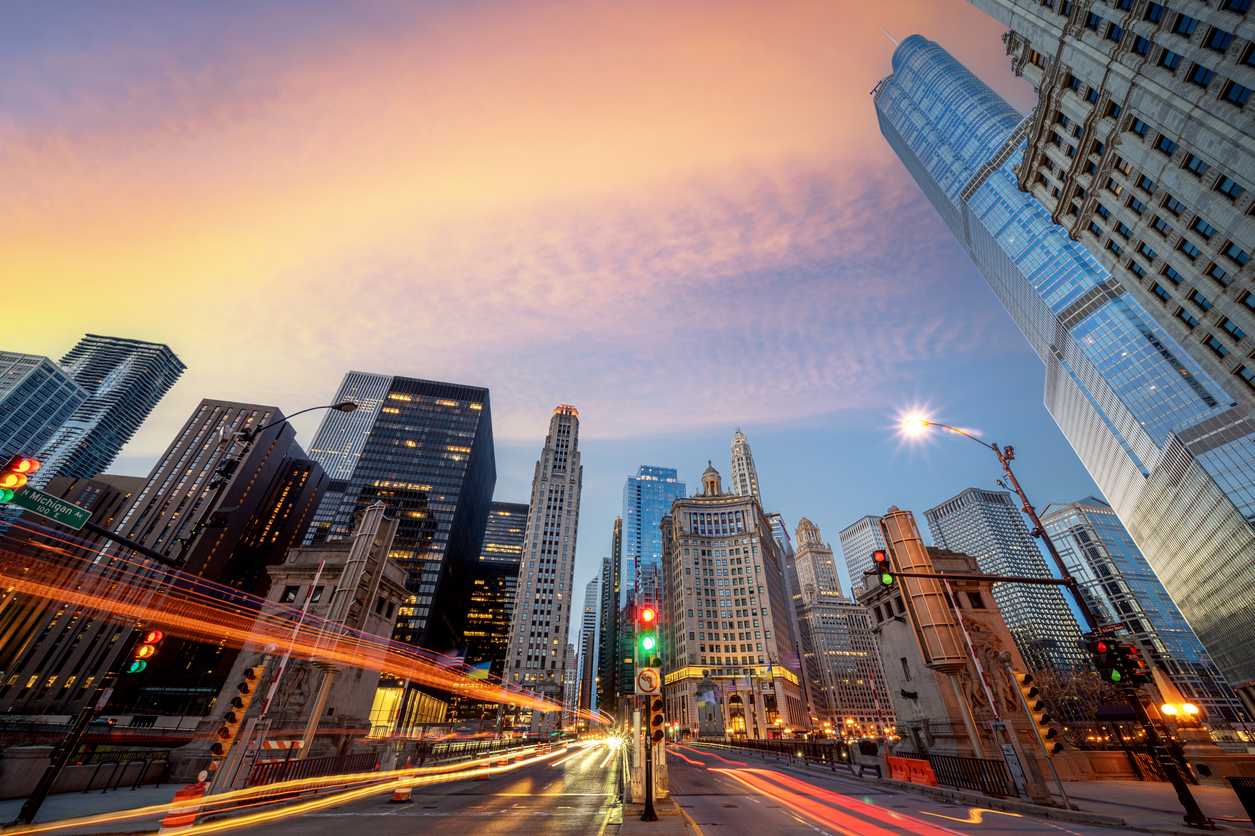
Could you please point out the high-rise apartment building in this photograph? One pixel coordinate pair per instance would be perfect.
(841, 657)
(124, 379)
(1119, 586)
(744, 474)
(588, 644)
(36, 397)
(859, 540)
(537, 656)
(1159, 430)
(725, 611)
(988, 526)
(425, 450)
(647, 498)
(816, 569)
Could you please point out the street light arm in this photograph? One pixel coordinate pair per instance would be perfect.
(960, 432)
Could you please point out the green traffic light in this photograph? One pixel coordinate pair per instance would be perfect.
(137, 666)
(5, 494)
(1115, 676)
(886, 579)
(648, 642)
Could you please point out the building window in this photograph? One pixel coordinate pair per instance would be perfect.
(1137, 205)
(1172, 275)
(1235, 94)
(1093, 21)
(1165, 146)
(1123, 166)
(1161, 293)
(906, 669)
(1091, 96)
(1095, 228)
(1154, 13)
(1137, 269)
(1173, 205)
(1114, 187)
(1115, 248)
(1184, 26)
(1246, 374)
(1236, 253)
(1139, 127)
(1203, 228)
(1229, 186)
(1218, 39)
(1236, 6)
(1113, 110)
(1191, 252)
(1169, 60)
(1146, 184)
(1185, 317)
(1162, 227)
(1232, 328)
(1196, 164)
(1140, 45)
(1213, 342)
(1103, 210)
(1124, 231)
(1150, 254)
(289, 594)
(1200, 75)
(1218, 273)
(1074, 82)
(1200, 300)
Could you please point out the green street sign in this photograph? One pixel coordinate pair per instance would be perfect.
(49, 507)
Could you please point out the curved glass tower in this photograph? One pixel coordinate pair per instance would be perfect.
(1134, 404)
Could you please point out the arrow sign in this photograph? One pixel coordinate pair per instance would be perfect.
(648, 682)
(50, 507)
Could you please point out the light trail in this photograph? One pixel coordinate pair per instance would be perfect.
(584, 750)
(974, 815)
(614, 750)
(711, 754)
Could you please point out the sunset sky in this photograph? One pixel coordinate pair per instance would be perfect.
(680, 217)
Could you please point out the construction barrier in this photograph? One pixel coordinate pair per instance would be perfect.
(182, 814)
(912, 771)
(401, 795)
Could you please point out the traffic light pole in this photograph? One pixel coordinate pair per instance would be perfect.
(1194, 816)
(648, 813)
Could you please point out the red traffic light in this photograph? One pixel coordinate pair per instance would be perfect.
(1102, 647)
(16, 472)
(21, 465)
(647, 615)
(153, 636)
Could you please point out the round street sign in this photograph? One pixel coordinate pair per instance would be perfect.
(648, 681)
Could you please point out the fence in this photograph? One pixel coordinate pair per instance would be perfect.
(833, 755)
(272, 772)
(987, 776)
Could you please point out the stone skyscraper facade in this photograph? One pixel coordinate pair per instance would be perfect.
(1155, 427)
(537, 657)
(988, 526)
(424, 449)
(744, 474)
(125, 380)
(816, 569)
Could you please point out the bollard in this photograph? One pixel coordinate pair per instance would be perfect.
(182, 814)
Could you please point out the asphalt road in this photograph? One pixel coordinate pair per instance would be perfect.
(726, 793)
(564, 795)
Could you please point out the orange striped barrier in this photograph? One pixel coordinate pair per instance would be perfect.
(186, 805)
(912, 771)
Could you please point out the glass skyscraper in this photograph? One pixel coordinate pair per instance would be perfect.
(1148, 421)
(647, 498)
(124, 380)
(36, 397)
(988, 526)
(1119, 586)
(859, 540)
(425, 450)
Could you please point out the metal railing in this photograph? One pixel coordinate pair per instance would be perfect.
(119, 761)
(272, 772)
(834, 754)
(987, 776)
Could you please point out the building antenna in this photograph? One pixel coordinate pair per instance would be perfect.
(887, 35)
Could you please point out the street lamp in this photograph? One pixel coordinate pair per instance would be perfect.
(915, 425)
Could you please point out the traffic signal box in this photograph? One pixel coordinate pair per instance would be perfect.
(15, 474)
(1047, 729)
(647, 649)
(144, 650)
(1129, 665)
(657, 720)
(882, 567)
(230, 727)
(1102, 652)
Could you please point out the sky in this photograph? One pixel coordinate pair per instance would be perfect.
(679, 217)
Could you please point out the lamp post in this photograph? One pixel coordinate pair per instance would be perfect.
(1005, 456)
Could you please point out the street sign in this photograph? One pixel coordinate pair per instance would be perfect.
(49, 507)
(1104, 629)
(648, 681)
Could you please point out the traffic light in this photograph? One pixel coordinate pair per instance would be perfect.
(235, 713)
(1129, 665)
(883, 568)
(14, 475)
(144, 650)
(657, 720)
(1046, 729)
(1102, 652)
(647, 637)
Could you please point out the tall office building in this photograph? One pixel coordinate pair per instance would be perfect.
(841, 656)
(588, 644)
(606, 697)
(537, 657)
(257, 501)
(725, 613)
(647, 498)
(1158, 431)
(496, 586)
(36, 397)
(744, 474)
(816, 570)
(859, 540)
(124, 380)
(988, 526)
(1120, 586)
(425, 450)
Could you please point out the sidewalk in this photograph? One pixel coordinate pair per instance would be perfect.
(68, 805)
